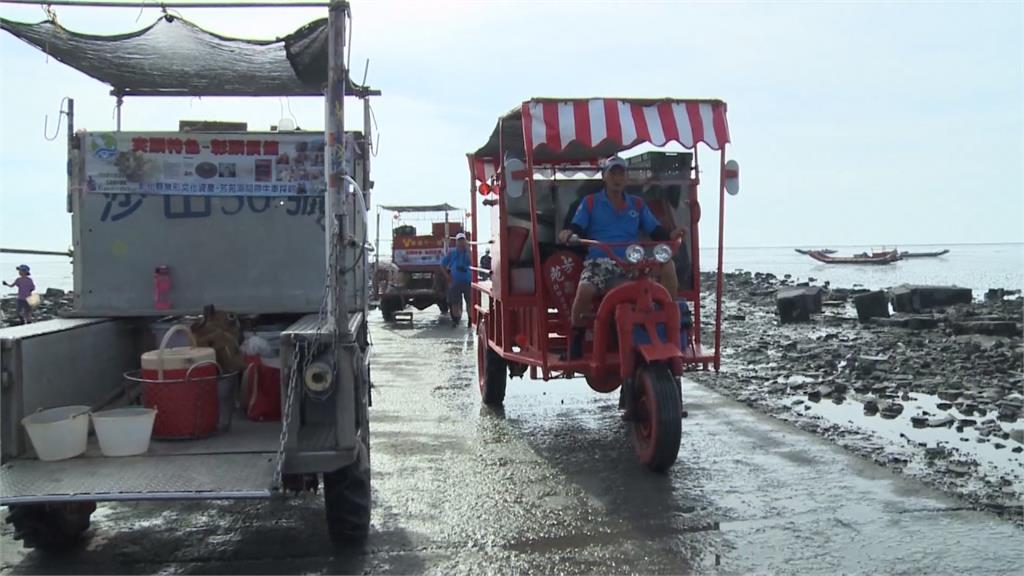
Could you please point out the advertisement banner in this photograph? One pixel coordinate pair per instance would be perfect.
(418, 257)
(418, 250)
(205, 164)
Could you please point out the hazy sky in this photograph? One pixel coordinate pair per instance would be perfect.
(853, 123)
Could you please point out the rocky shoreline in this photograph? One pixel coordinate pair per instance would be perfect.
(936, 393)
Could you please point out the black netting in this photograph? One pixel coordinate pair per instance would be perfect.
(175, 57)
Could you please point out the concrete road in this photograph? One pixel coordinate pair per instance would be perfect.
(550, 485)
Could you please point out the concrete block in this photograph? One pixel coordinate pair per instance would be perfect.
(872, 305)
(797, 304)
(914, 299)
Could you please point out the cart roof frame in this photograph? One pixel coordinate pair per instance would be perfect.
(424, 208)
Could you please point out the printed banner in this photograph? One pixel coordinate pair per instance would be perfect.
(418, 257)
(205, 164)
(418, 250)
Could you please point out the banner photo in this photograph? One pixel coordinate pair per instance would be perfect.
(206, 164)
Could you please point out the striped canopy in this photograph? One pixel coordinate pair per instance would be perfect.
(581, 130)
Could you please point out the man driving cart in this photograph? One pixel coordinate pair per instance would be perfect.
(610, 215)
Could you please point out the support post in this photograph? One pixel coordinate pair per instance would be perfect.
(120, 101)
(335, 224)
(367, 184)
(72, 154)
(721, 250)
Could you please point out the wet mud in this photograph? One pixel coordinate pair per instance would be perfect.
(549, 484)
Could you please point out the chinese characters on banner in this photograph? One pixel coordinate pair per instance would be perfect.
(418, 250)
(206, 164)
(562, 272)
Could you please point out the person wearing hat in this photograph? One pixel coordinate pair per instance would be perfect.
(25, 288)
(456, 270)
(610, 215)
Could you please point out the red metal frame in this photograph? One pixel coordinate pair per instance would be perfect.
(522, 330)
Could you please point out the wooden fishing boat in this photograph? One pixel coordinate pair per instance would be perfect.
(924, 254)
(878, 258)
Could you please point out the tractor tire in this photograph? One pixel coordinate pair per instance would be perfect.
(388, 307)
(52, 528)
(347, 501)
(657, 417)
(492, 371)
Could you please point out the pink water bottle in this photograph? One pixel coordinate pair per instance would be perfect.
(162, 288)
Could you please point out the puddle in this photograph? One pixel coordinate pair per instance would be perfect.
(991, 460)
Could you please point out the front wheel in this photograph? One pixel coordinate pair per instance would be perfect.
(492, 370)
(657, 425)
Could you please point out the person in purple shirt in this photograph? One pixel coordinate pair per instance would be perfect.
(25, 288)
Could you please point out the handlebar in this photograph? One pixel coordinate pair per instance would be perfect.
(647, 262)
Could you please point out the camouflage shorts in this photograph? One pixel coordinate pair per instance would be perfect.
(603, 273)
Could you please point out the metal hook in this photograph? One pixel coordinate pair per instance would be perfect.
(60, 118)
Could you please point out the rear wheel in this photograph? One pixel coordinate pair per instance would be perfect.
(657, 414)
(51, 527)
(347, 495)
(492, 370)
(347, 502)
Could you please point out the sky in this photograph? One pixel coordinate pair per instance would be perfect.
(854, 123)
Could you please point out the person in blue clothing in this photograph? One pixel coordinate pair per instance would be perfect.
(611, 215)
(456, 270)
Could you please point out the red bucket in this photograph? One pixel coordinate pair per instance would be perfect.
(261, 388)
(181, 384)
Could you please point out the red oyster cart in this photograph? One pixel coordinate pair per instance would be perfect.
(539, 161)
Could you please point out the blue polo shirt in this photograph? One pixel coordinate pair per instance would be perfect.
(603, 223)
(457, 263)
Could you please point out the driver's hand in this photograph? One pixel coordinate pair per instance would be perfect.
(564, 236)
(679, 234)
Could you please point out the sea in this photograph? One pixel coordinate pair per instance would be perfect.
(976, 266)
(979, 267)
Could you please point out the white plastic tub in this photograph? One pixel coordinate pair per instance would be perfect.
(124, 431)
(58, 433)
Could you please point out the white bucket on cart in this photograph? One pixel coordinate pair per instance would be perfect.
(124, 431)
(58, 433)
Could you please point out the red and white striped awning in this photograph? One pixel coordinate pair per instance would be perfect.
(484, 169)
(626, 123)
(559, 132)
(578, 131)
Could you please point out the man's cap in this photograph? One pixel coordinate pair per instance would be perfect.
(22, 268)
(612, 162)
(460, 236)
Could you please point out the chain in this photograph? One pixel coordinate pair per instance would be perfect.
(293, 378)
